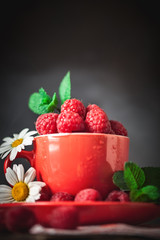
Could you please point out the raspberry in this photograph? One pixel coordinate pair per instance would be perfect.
(46, 123)
(111, 131)
(118, 128)
(92, 106)
(62, 196)
(118, 196)
(64, 217)
(97, 121)
(88, 194)
(19, 219)
(70, 122)
(74, 105)
(3, 227)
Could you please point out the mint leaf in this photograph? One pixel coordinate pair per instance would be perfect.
(53, 104)
(45, 97)
(133, 176)
(38, 102)
(35, 104)
(146, 194)
(118, 180)
(152, 176)
(65, 88)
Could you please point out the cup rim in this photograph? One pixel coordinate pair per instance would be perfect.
(80, 134)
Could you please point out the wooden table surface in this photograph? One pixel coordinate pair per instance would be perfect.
(118, 231)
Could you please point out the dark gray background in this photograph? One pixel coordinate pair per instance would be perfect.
(111, 49)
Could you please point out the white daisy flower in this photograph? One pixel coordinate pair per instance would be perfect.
(23, 188)
(16, 144)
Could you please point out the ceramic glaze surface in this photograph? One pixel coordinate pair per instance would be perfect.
(97, 212)
(71, 162)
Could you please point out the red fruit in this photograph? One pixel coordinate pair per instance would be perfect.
(111, 131)
(74, 105)
(118, 196)
(46, 123)
(64, 217)
(3, 227)
(19, 219)
(62, 196)
(88, 194)
(97, 121)
(92, 106)
(45, 194)
(70, 122)
(118, 128)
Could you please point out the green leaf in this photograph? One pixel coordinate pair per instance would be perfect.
(118, 180)
(38, 102)
(65, 88)
(35, 104)
(45, 97)
(152, 176)
(53, 104)
(146, 194)
(133, 175)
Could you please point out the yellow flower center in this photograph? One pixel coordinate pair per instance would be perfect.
(17, 142)
(20, 191)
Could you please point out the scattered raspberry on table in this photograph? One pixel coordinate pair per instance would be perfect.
(64, 217)
(19, 219)
(88, 194)
(118, 196)
(61, 196)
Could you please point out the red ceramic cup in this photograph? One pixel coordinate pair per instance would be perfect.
(71, 162)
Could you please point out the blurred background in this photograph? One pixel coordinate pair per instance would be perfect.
(111, 50)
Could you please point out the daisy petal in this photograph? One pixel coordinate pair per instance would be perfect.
(15, 135)
(30, 133)
(30, 175)
(6, 194)
(5, 188)
(19, 148)
(34, 190)
(28, 141)
(20, 172)
(5, 148)
(37, 196)
(36, 183)
(13, 154)
(22, 146)
(23, 133)
(15, 168)
(5, 144)
(5, 154)
(11, 176)
(6, 200)
(8, 139)
(30, 199)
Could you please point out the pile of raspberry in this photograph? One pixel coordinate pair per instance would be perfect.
(75, 117)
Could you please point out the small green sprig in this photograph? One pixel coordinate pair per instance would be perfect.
(40, 102)
(65, 88)
(143, 184)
